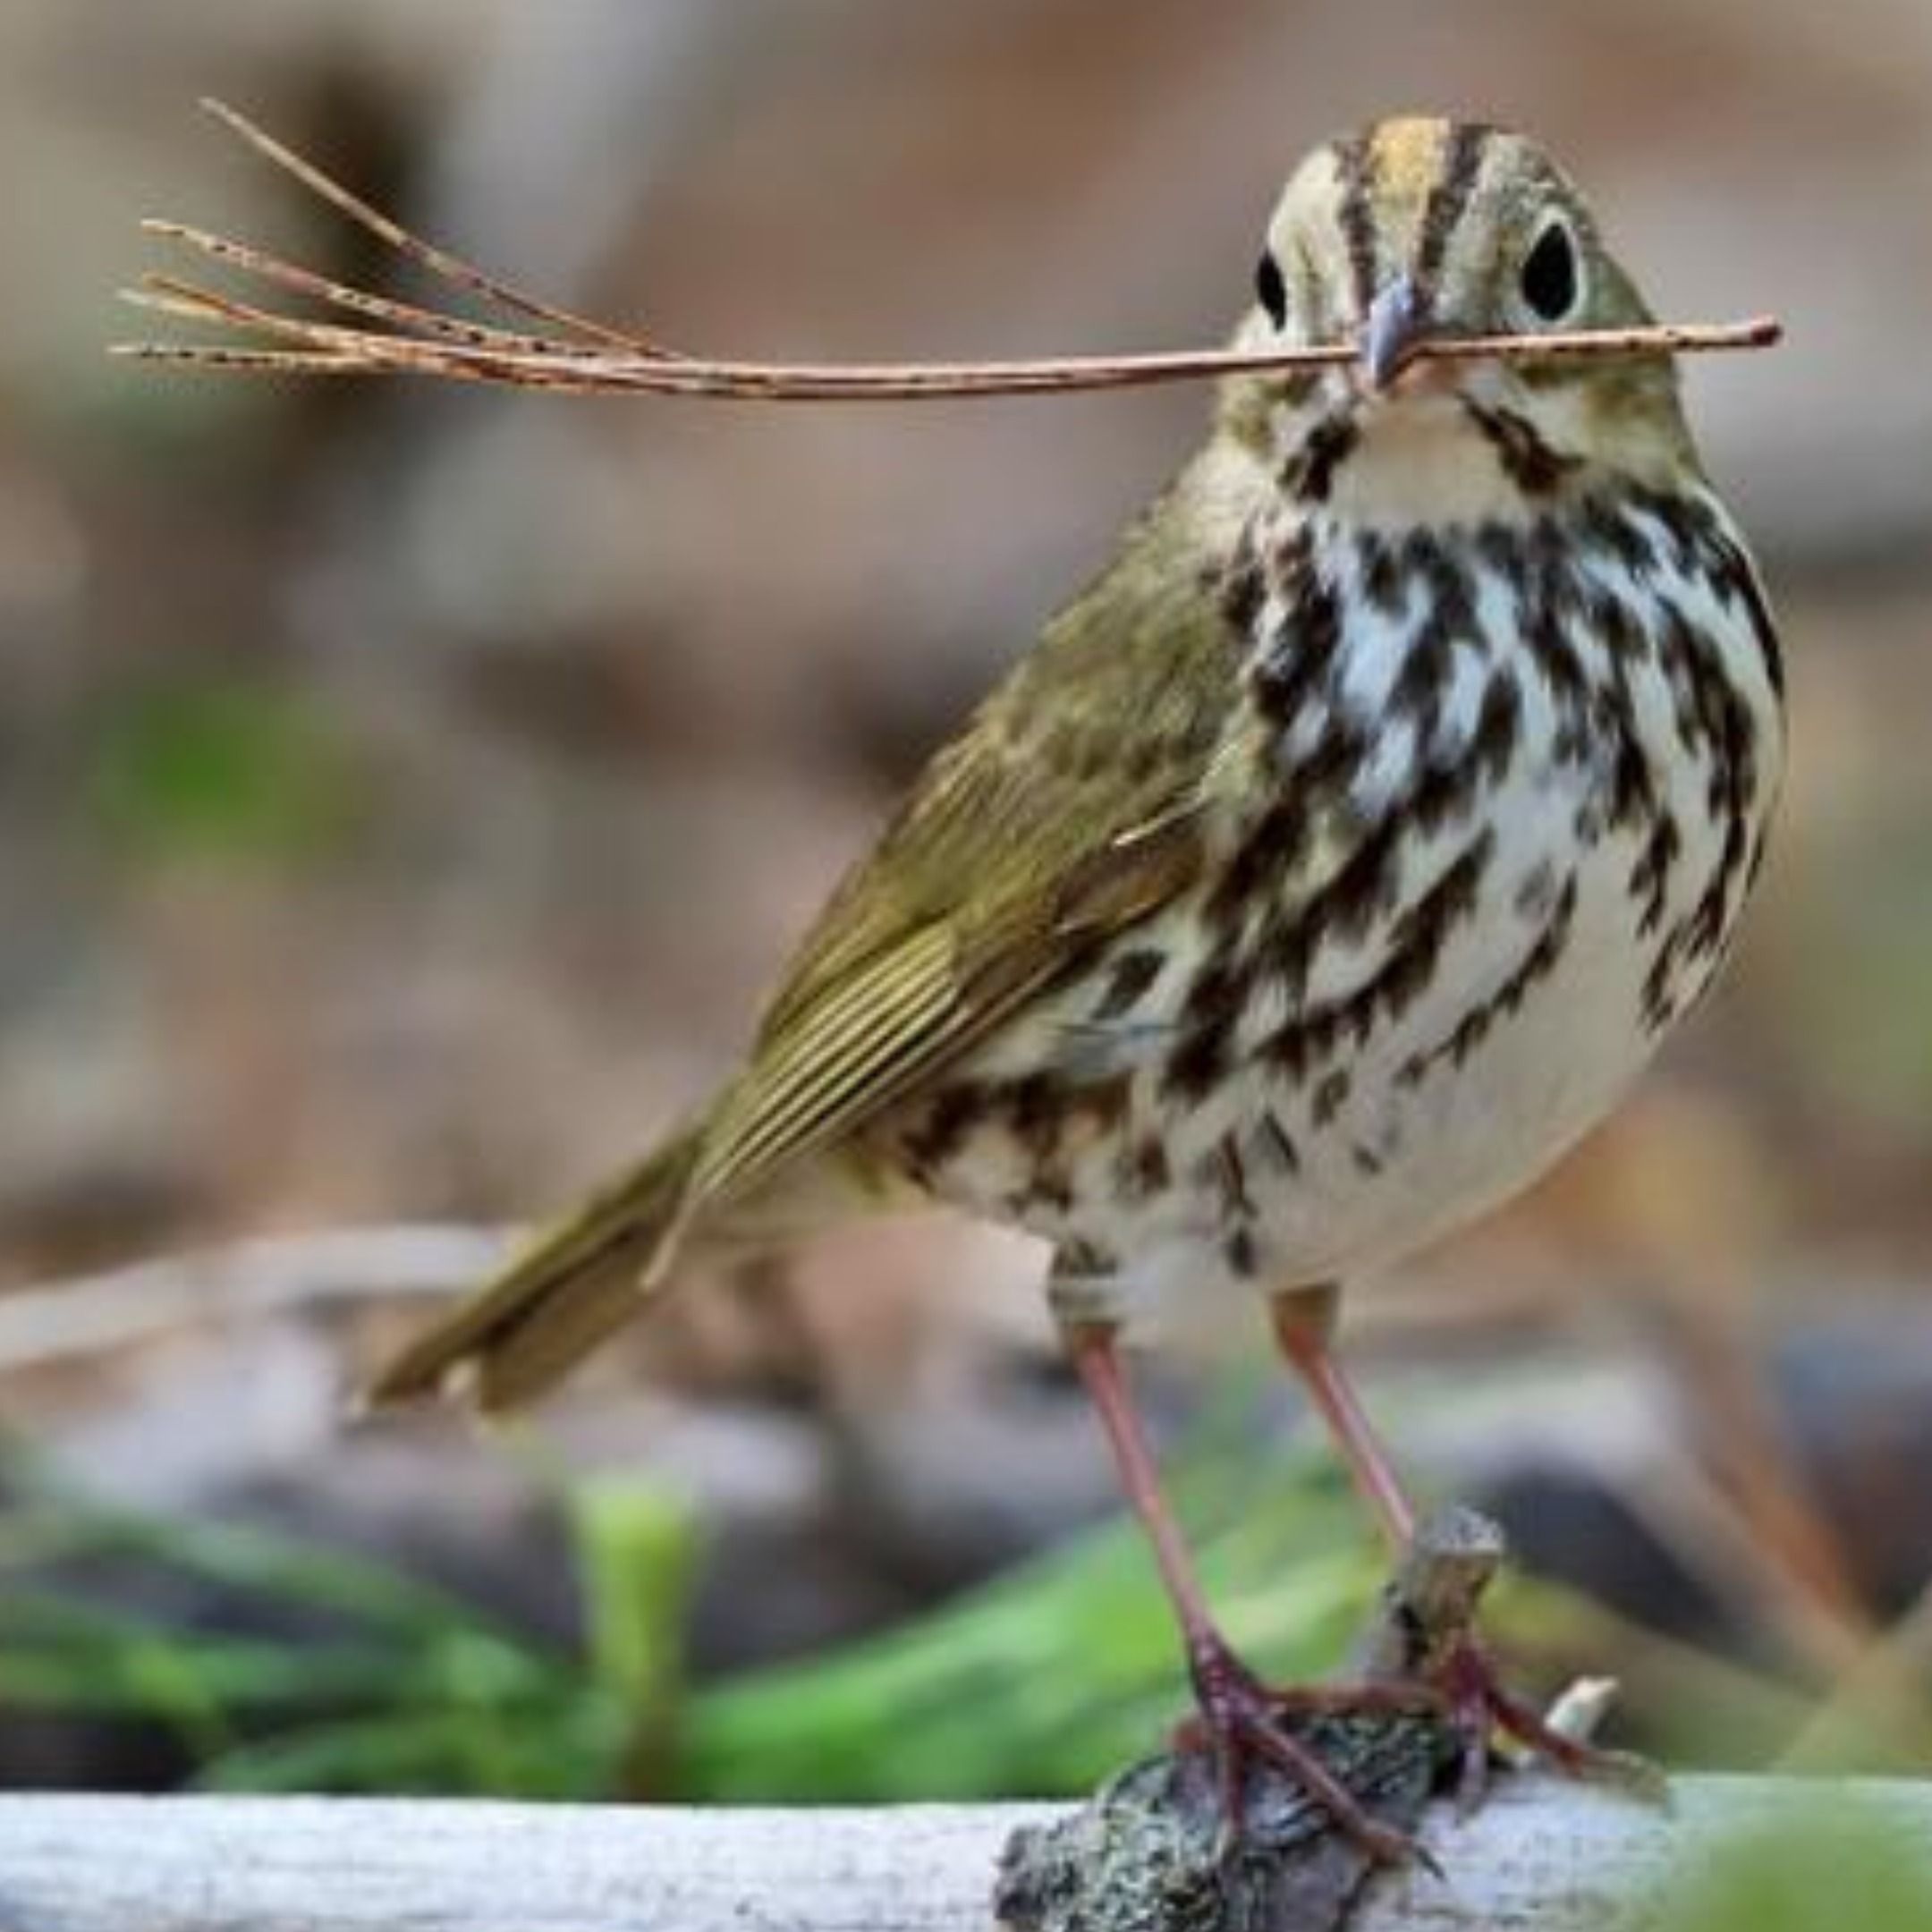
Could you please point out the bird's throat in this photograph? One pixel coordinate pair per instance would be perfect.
(1434, 461)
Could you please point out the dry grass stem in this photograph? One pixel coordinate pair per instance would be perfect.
(576, 355)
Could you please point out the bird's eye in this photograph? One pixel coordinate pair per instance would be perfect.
(1270, 289)
(1549, 277)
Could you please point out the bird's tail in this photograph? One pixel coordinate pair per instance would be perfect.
(574, 1287)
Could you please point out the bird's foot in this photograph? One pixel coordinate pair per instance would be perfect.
(1422, 1645)
(1479, 1708)
(1242, 1721)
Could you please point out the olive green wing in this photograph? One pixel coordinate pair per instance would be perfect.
(933, 990)
(1078, 801)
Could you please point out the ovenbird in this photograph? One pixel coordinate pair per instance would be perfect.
(1331, 864)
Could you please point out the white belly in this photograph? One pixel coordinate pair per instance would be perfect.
(1429, 1131)
(1361, 1106)
(1394, 1138)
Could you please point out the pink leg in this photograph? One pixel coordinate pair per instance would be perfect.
(1239, 1717)
(1098, 1359)
(1304, 1326)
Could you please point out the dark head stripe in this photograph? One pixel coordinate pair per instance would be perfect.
(1355, 216)
(1448, 201)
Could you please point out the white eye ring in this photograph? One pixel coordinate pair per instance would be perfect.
(1550, 280)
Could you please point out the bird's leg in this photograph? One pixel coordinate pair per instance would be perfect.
(1304, 1326)
(1461, 1675)
(1239, 1716)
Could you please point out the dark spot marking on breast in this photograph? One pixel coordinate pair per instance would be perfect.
(1129, 977)
(1200, 1061)
(949, 1118)
(1280, 1144)
(1608, 527)
(1415, 945)
(1536, 965)
(1145, 1170)
(1498, 726)
(1331, 1095)
(1232, 1175)
(1736, 581)
(1427, 665)
(1650, 873)
(1269, 851)
(1378, 570)
(1300, 655)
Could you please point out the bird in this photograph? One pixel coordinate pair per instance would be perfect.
(1331, 863)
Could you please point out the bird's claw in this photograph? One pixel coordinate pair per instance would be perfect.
(1241, 1720)
(1480, 1707)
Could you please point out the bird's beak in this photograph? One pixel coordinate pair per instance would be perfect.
(1396, 326)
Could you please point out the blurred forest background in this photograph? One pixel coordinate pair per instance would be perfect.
(404, 796)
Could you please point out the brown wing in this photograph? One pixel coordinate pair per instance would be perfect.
(1074, 805)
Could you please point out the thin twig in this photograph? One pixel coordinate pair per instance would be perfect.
(594, 358)
(255, 261)
(373, 353)
(439, 262)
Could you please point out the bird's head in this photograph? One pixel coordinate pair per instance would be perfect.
(1422, 229)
